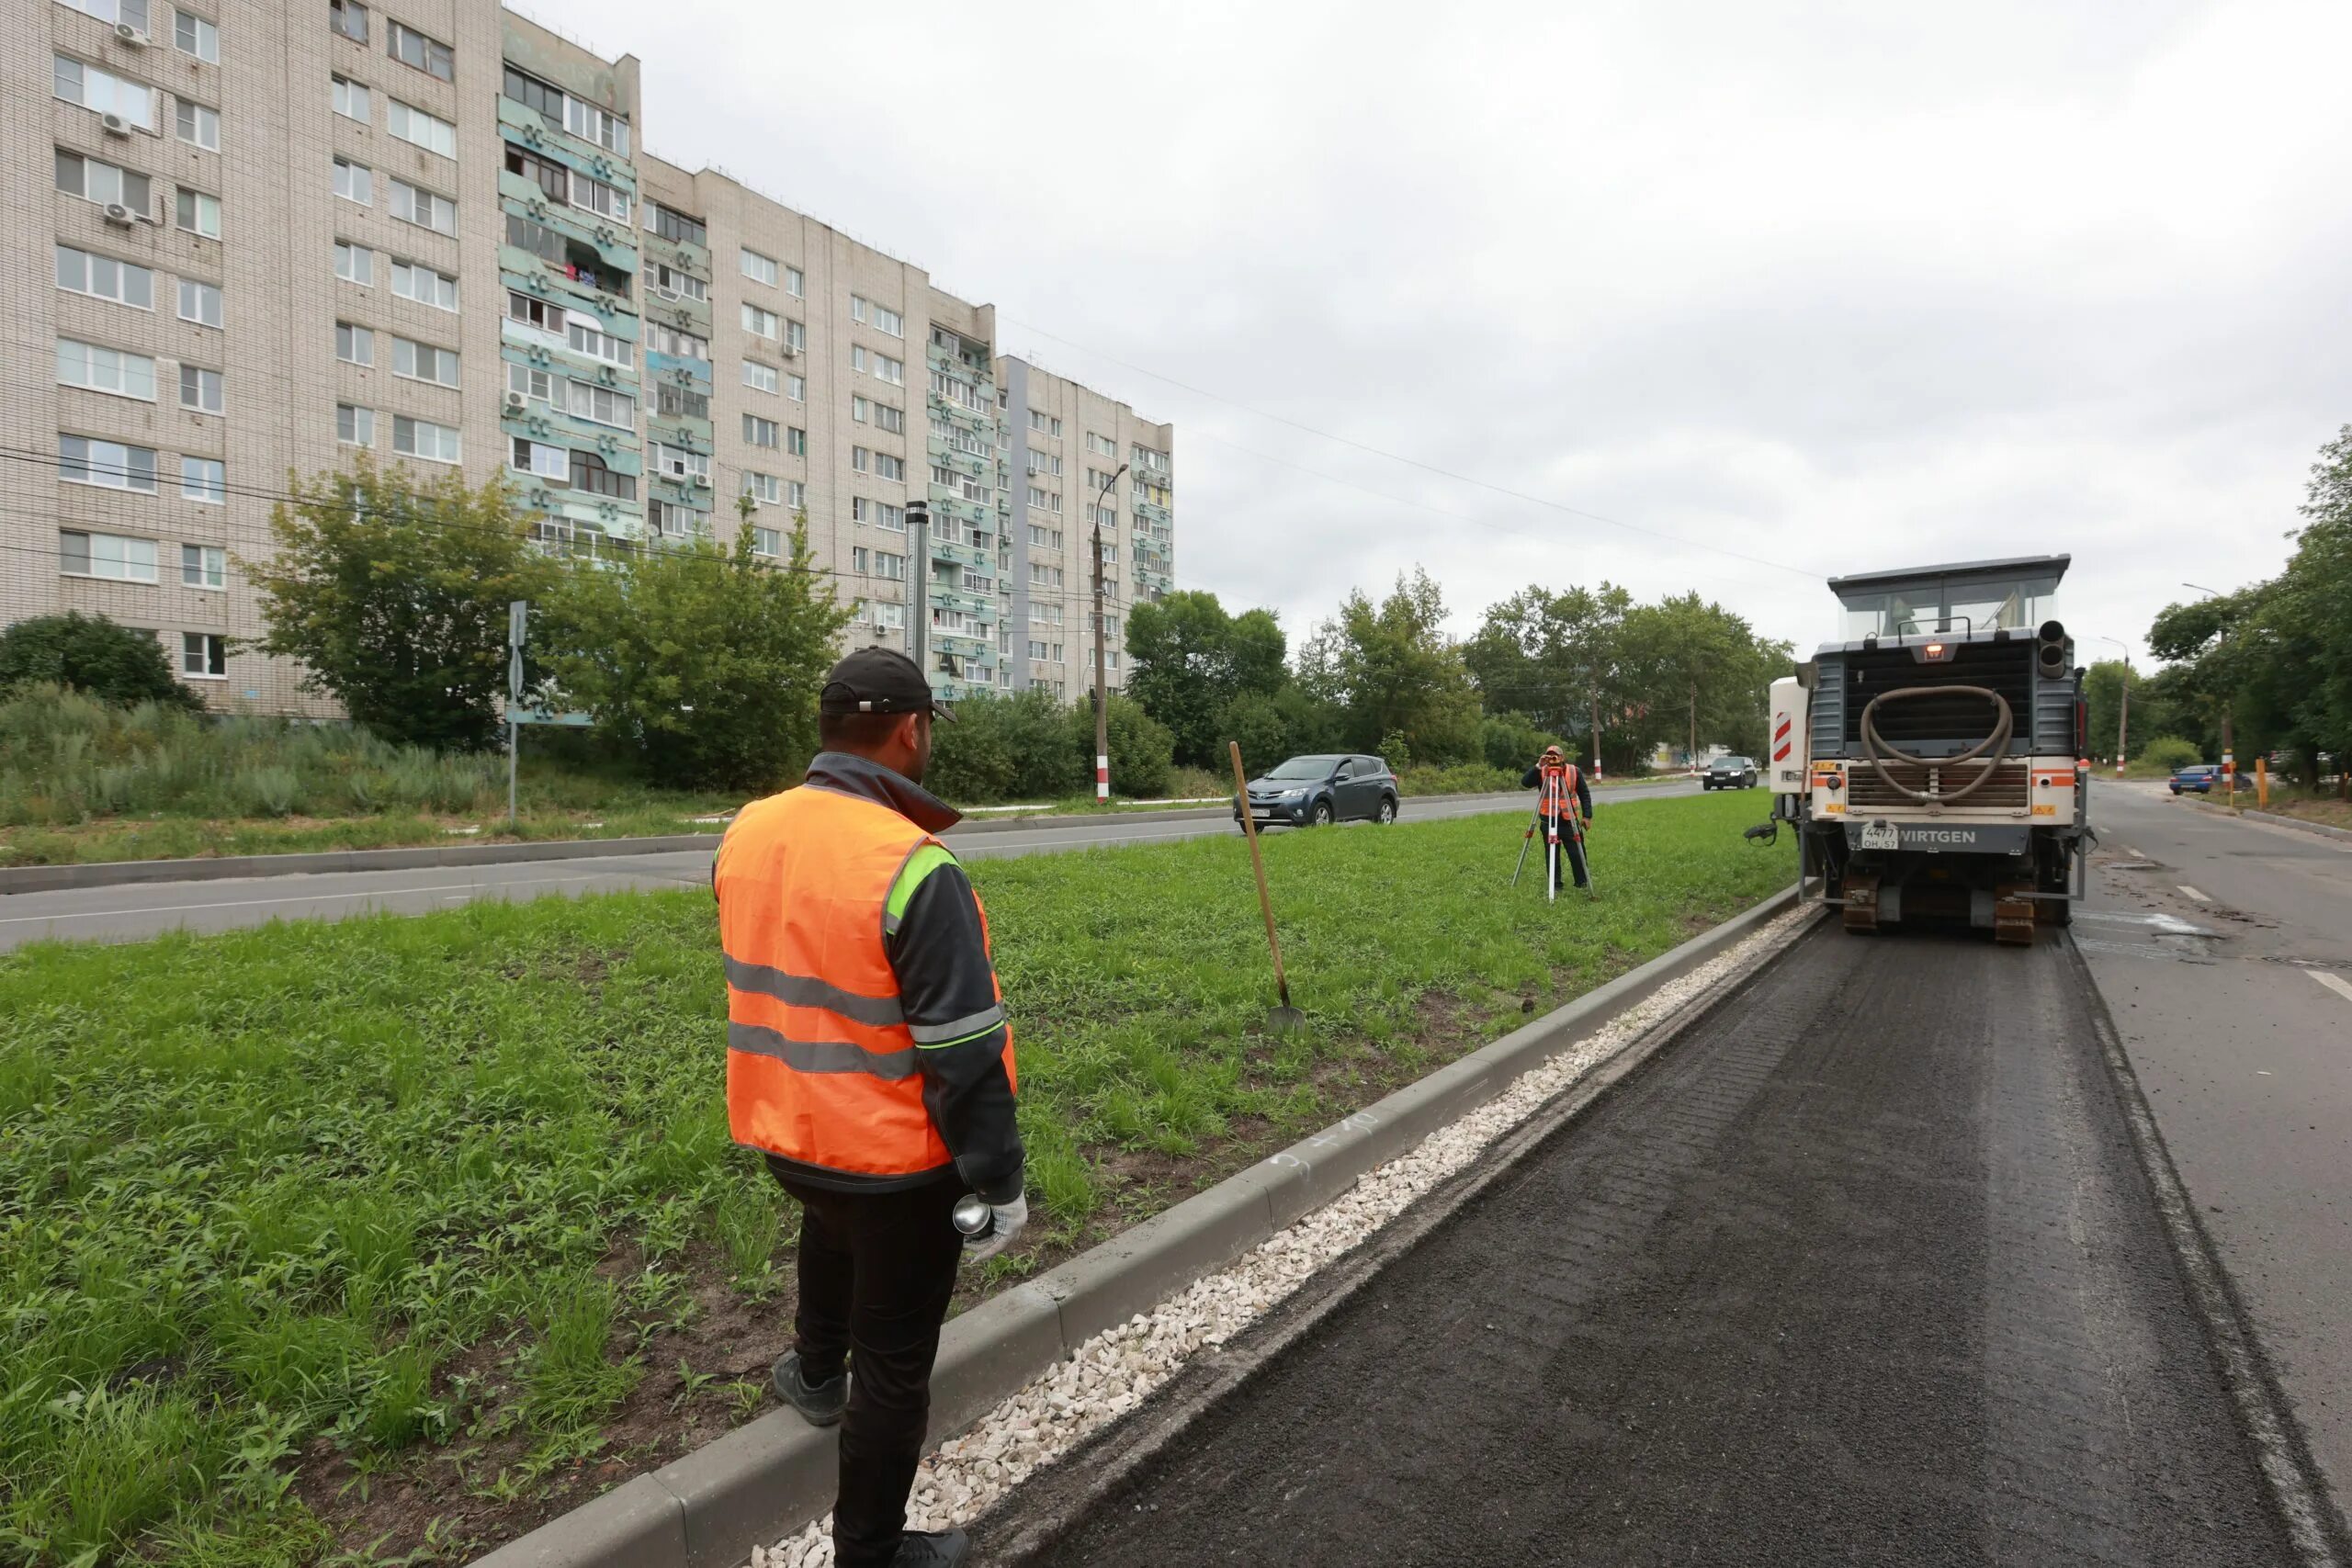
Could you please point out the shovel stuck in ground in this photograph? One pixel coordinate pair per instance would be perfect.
(1284, 1018)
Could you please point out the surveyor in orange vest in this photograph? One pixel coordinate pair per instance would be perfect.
(869, 1059)
(1571, 842)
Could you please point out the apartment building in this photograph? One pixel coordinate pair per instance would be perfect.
(284, 231)
(1071, 461)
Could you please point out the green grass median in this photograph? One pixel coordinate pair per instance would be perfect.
(374, 1241)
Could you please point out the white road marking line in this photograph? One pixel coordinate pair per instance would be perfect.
(2337, 983)
(2201, 898)
(295, 899)
(2129, 850)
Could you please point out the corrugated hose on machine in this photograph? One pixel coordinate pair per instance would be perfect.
(1996, 743)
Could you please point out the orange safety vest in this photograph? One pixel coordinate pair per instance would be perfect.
(821, 1063)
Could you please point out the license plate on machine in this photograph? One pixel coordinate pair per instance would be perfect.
(1881, 834)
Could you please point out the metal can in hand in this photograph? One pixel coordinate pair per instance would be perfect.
(972, 1216)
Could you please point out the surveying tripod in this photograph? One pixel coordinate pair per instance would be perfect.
(1556, 803)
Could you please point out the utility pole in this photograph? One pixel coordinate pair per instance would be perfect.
(518, 622)
(1102, 693)
(2123, 719)
(1596, 736)
(919, 586)
(2229, 755)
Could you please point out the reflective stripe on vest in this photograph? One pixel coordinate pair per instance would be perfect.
(821, 1066)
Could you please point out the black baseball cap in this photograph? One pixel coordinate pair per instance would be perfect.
(879, 680)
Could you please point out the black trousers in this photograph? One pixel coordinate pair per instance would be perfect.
(1570, 868)
(875, 1272)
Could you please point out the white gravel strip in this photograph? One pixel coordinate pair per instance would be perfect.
(1116, 1371)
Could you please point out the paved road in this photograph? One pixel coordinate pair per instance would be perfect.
(134, 912)
(2224, 950)
(1862, 1269)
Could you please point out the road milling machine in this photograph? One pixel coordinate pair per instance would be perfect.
(1931, 760)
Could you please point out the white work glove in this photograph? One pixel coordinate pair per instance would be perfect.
(1008, 1220)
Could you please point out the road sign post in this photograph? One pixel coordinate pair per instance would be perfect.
(518, 623)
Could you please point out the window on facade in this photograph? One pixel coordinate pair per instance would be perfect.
(422, 362)
(768, 541)
(677, 226)
(351, 99)
(675, 401)
(672, 283)
(534, 313)
(597, 344)
(200, 303)
(887, 467)
(602, 405)
(590, 473)
(348, 17)
(102, 92)
(410, 47)
(419, 128)
(954, 389)
(413, 205)
(678, 345)
(412, 280)
(109, 370)
(890, 417)
(355, 182)
(589, 124)
(1043, 462)
(108, 465)
(542, 459)
(192, 34)
(1106, 516)
(1100, 446)
(797, 388)
(93, 180)
(759, 322)
(204, 479)
(796, 441)
(200, 389)
(533, 383)
(681, 464)
(103, 277)
(355, 426)
(765, 488)
(594, 196)
(110, 556)
(423, 438)
(760, 378)
(131, 11)
(762, 432)
(891, 569)
(204, 566)
(757, 268)
(353, 344)
(860, 459)
(204, 655)
(198, 126)
(198, 213)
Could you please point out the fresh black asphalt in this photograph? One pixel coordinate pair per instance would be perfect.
(1863, 1269)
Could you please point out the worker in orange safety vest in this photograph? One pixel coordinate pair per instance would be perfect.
(1557, 802)
(868, 1058)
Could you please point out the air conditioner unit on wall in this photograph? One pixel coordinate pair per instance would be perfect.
(702, 481)
(119, 215)
(518, 402)
(114, 125)
(130, 35)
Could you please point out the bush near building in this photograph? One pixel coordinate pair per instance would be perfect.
(91, 655)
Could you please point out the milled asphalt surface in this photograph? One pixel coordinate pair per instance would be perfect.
(1861, 1269)
(136, 911)
(2236, 1009)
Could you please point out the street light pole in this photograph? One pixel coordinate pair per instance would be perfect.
(2229, 754)
(1102, 693)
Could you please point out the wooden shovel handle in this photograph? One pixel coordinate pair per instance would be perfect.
(1257, 862)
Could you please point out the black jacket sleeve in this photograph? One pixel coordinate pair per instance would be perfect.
(948, 990)
(1532, 777)
(1584, 795)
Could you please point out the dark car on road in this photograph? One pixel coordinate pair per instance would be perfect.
(1729, 772)
(2203, 777)
(1308, 792)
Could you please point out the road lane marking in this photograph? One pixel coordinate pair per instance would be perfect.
(2129, 850)
(2337, 983)
(295, 899)
(2201, 898)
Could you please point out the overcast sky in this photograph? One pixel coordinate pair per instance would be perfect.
(1839, 287)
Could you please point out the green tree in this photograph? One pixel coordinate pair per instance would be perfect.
(114, 664)
(1255, 721)
(702, 660)
(1142, 748)
(1187, 658)
(1017, 747)
(392, 595)
(1560, 658)
(1695, 676)
(1391, 670)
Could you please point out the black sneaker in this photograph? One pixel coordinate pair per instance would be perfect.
(932, 1548)
(821, 1403)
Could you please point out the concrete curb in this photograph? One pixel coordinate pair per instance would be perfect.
(2251, 815)
(765, 1479)
(111, 874)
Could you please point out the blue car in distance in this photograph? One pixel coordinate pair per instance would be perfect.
(2203, 778)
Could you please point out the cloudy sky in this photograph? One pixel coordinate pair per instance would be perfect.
(1715, 296)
